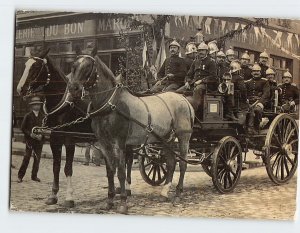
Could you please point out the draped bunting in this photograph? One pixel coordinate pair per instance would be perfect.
(207, 25)
(289, 40)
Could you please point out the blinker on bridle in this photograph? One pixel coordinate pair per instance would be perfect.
(92, 78)
(38, 75)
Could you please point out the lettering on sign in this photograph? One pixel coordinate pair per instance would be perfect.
(112, 25)
(67, 30)
(29, 34)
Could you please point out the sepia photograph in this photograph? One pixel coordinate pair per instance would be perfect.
(154, 115)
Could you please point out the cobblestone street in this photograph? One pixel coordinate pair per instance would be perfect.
(254, 197)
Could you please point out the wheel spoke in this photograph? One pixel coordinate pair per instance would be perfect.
(225, 180)
(279, 133)
(288, 131)
(221, 173)
(154, 173)
(282, 168)
(290, 160)
(278, 166)
(163, 169)
(234, 174)
(275, 161)
(150, 171)
(294, 141)
(286, 166)
(277, 139)
(148, 164)
(229, 179)
(158, 173)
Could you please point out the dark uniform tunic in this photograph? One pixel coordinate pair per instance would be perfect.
(246, 72)
(288, 93)
(188, 62)
(173, 65)
(258, 89)
(221, 69)
(32, 145)
(263, 69)
(273, 88)
(205, 70)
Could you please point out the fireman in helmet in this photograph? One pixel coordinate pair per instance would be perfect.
(202, 74)
(221, 64)
(213, 50)
(289, 94)
(258, 92)
(190, 52)
(245, 62)
(230, 56)
(263, 62)
(270, 76)
(236, 95)
(172, 72)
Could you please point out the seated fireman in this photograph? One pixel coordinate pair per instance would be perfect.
(288, 94)
(258, 91)
(235, 99)
(172, 72)
(202, 75)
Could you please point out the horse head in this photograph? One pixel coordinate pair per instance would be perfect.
(89, 74)
(35, 75)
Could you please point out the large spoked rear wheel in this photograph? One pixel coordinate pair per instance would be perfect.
(281, 147)
(152, 165)
(226, 164)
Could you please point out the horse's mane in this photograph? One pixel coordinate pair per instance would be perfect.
(56, 69)
(102, 68)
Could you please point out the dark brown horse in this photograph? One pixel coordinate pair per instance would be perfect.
(120, 118)
(43, 78)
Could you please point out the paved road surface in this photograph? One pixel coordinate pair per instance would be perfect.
(254, 197)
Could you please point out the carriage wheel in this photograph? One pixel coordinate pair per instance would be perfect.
(152, 165)
(206, 169)
(281, 147)
(227, 164)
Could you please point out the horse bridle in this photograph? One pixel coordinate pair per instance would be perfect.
(40, 72)
(92, 78)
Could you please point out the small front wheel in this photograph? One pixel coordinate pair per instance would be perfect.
(226, 164)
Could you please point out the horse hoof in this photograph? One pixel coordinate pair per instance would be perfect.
(109, 205)
(51, 201)
(163, 199)
(118, 190)
(123, 209)
(69, 204)
(128, 192)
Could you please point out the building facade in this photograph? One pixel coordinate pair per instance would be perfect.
(64, 32)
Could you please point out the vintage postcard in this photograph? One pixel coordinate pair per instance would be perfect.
(157, 115)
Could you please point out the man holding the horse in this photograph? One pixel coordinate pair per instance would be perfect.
(34, 143)
(172, 72)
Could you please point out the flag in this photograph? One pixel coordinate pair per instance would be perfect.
(161, 54)
(289, 39)
(145, 55)
(154, 54)
(207, 25)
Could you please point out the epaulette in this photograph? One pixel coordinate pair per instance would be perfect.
(246, 81)
(264, 79)
(294, 84)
